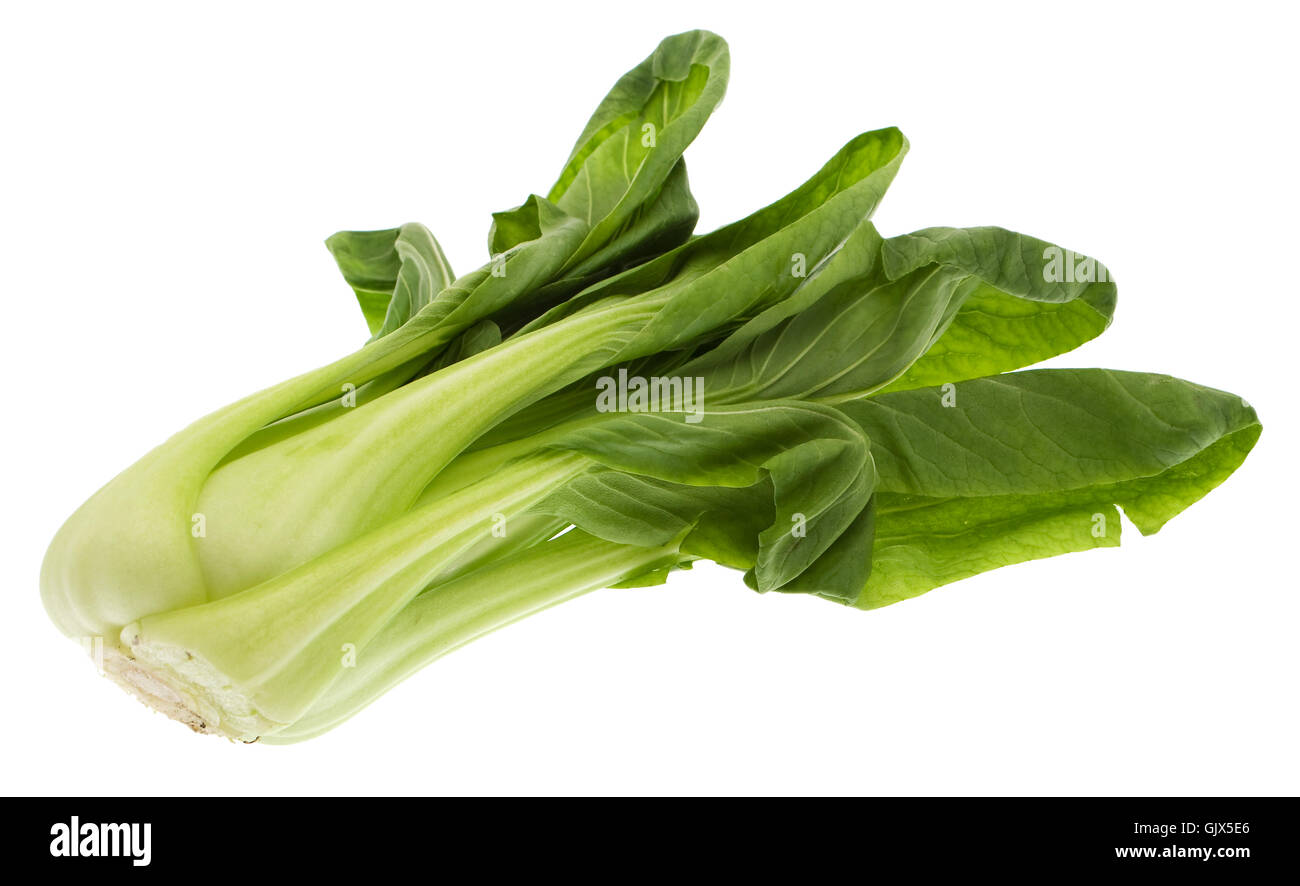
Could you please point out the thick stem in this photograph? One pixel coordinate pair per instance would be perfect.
(90, 588)
(255, 661)
(454, 613)
(291, 502)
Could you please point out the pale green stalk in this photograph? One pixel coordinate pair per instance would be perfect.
(89, 588)
(231, 664)
(456, 612)
(290, 502)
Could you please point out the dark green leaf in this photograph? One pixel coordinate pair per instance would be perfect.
(1032, 464)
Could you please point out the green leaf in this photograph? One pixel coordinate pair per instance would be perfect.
(394, 272)
(843, 570)
(636, 135)
(815, 463)
(657, 227)
(624, 181)
(856, 323)
(846, 332)
(735, 275)
(719, 523)
(1018, 316)
(736, 272)
(616, 202)
(1032, 464)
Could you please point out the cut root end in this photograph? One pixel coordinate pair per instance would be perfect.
(188, 694)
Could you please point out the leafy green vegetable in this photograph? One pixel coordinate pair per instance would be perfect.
(610, 398)
(1032, 464)
(394, 273)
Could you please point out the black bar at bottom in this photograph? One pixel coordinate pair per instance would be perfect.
(261, 837)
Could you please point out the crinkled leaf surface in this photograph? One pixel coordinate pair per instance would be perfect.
(1017, 316)
(1023, 465)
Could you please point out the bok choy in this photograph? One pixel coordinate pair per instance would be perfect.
(610, 398)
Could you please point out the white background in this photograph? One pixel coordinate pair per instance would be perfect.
(169, 175)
